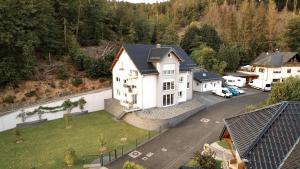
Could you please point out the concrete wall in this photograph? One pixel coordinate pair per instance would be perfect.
(158, 124)
(94, 99)
(149, 91)
(206, 86)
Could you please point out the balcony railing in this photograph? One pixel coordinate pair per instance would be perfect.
(133, 74)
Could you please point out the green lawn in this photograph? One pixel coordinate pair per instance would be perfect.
(223, 144)
(44, 145)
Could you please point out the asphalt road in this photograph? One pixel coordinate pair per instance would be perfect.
(175, 147)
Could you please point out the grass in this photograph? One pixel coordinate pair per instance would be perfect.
(44, 145)
(223, 144)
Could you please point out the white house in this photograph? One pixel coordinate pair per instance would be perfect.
(275, 66)
(146, 76)
(206, 81)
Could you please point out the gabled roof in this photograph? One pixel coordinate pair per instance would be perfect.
(156, 54)
(139, 55)
(273, 59)
(202, 76)
(266, 136)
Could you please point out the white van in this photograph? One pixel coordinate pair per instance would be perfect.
(235, 81)
(223, 92)
(260, 84)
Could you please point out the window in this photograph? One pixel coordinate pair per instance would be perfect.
(298, 70)
(169, 69)
(276, 80)
(125, 81)
(188, 85)
(169, 85)
(134, 99)
(181, 79)
(197, 84)
(214, 84)
(261, 70)
(276, 71)
(180, 94)
(117, 79)
(288, 70)
(118, 92)
(168, 99)
(205, 86)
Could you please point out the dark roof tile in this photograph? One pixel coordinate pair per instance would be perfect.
(266, 136)
(140, 53)
(202, 76)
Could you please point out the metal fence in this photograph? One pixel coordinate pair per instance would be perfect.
(119, 151)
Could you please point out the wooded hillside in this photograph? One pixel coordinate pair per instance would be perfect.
(50, 30)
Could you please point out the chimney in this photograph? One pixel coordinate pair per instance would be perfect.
(158, 45)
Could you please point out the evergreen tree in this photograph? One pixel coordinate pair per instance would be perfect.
(293, 34)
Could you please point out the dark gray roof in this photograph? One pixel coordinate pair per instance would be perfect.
(202, 76)
(293, 159)
(156, 54)
(139, 55)
(273, 59)
(266, 136)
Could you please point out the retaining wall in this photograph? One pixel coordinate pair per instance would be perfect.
(158, 124)
(95, 102)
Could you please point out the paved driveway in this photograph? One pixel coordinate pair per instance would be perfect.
(175, 147)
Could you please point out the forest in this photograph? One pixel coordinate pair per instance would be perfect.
(213, 32)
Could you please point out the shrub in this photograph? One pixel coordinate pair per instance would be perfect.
(30, 93)
(131, 165)
(62, 73)
(76, 81)
(9, 99)
(205, 160)
(70, 157)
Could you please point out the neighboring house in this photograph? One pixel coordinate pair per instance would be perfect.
(275, 66)
(266, 138)
(146, 76)
(206, 81)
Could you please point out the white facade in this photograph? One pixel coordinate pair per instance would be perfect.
(206, 86)
(141, 91)
(276, 74)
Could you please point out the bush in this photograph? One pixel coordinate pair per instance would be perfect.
(131, 165)
(205, 161)
(62, 73)
(9, 99)
(76, 81)
(288, 90)
(30, 93)
(70, 157)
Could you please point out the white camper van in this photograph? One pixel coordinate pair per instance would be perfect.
(260, 84)
(235, 81)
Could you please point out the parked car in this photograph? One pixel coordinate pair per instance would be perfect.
(241, 91)
(234, 91)
(235, 81)
(260, 84)
(223, 92)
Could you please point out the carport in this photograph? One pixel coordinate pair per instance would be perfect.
(249, 76)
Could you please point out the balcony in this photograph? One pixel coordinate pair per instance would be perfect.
(130, 89)
(133, 74)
